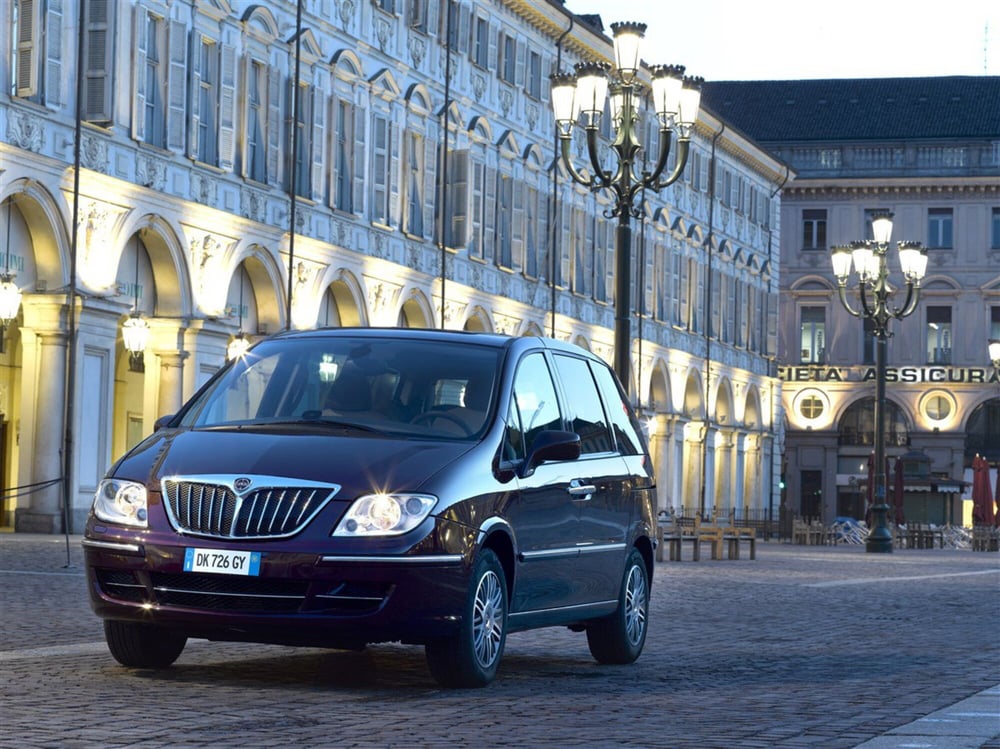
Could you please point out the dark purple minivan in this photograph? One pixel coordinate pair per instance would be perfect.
(336, 488)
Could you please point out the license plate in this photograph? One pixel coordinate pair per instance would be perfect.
(222, 562)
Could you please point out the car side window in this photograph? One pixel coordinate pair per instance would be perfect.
(584, 411)
(623, 422)
(535, 399)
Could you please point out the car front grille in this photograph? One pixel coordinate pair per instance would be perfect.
(226, 593)
(249, 595)
(211, 505)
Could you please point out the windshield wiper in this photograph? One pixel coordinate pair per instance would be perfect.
(317, 422)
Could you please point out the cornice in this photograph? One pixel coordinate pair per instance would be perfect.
(975, 186)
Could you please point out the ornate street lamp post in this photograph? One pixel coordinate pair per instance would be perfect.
(869, 258)
(675, 99)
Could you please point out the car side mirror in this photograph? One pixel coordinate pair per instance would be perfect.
(551, 444)
(161, 422)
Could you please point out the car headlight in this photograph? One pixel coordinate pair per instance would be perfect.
(118, 501)
(385, 514)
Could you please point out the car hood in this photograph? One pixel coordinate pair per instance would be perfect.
(357, 463)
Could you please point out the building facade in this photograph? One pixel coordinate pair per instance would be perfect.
(927, 150)
(410, 144)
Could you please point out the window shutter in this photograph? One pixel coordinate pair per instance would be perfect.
(139, 71)
(53, 56)
(458, 199)
(227, 107)
(194, 135)
(520, 53)
(358, 167)
(176, 76)
(27, 49)
(566, 243)
(489, 213)
(318, 139)
(491, 61)
(463, 29)
(392, 135)
(431, 10)
(517, 228)
(98, 91)
(430, 181)
(273, 123)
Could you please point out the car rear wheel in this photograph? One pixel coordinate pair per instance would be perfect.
(470, 658)
(141, 645)
(619, 638)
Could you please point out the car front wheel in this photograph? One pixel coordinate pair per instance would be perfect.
(619, 638)
(141, 645)
(470, 658)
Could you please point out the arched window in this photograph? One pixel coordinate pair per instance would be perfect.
(857, 425)
(982, 434)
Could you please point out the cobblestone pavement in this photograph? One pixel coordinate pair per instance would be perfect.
(803, 647)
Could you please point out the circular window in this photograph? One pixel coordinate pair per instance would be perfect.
(937, 407)
(811, 407)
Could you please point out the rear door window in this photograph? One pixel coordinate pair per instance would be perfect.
(625, 426)
(584, 410)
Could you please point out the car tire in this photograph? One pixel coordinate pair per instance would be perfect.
(141, 645)
(471, 657)
(619, 638)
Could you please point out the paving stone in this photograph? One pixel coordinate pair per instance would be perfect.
(804, 647)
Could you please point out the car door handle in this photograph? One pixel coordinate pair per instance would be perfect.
(580, 490)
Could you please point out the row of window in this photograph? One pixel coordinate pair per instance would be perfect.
(938, 335)
(940, 228)
(359, 151)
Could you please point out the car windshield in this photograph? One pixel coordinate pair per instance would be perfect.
(418, 387)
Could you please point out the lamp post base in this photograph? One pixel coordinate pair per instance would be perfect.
(879, 540)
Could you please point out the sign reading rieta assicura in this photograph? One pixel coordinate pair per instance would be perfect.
(933, 375)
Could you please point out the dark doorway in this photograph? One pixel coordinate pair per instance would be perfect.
(811, 486)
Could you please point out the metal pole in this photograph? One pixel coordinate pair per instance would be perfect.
(294, 167)
(879, 538)
(623, 280)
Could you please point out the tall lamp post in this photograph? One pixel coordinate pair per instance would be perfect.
(675, 99)
(870, 262)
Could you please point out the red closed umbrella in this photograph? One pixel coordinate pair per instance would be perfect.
(982, 493)
(996, 498)
(897, 492)
(989, 516)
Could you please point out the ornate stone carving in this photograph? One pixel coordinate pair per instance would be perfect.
(383, 32)
(94, 153)
(506, 100)
(24, 130)
(381, 295)
(531, 113)
(506, 324)
(203, 189)
(252, 204)
(95, 220)
(346, 12)
(452, 311)
(151, 172)
(207, 261)
(478, 86)
(417, 47)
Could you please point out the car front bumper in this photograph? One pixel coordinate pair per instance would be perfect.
(297, 598)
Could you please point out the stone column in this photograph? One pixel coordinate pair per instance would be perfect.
(171, 390)
(167, 350)
(739, 472)
(43, 401)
